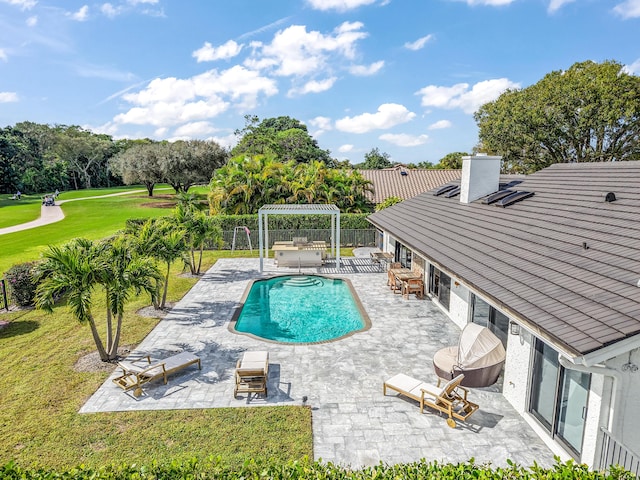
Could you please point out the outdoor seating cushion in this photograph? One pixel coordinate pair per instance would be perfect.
(411, 387)
(254, 360)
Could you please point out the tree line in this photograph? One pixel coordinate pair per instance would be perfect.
(36, 158)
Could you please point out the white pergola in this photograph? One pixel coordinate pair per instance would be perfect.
(298, 209)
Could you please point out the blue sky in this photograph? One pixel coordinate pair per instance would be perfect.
(403, 76)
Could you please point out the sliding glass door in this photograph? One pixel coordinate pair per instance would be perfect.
(559, 398)
(440, 286)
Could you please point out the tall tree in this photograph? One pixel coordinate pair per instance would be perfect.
(590, 112)
(451, 160)
(139, 162)
(375, 160)
(185, 163)
(285, 137)
(83, 151)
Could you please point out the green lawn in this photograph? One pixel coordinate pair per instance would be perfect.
(41, 393)
(14, 212)
(93, 219)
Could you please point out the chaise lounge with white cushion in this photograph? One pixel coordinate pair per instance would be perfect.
(252, 371)
(450, 398)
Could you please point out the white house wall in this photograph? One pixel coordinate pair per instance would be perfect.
(458, 303)
(515, 387)
(628, 430)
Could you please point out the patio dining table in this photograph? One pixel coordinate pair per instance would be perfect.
(400, 275)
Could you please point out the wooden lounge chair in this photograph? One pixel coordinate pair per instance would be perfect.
(450, 399)
(252, 371)
(135, 374)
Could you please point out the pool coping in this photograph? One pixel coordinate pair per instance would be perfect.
(236, 314)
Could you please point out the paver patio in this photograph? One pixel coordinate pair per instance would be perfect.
(353, 423)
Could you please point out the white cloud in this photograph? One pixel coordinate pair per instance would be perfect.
(323, 123)
(23, 4)
(110, 11)
(628, 9)
(172, 101)
(404, 140)
(460, 96)
(440, 124)
(209, 53)
(32, 21)
(3, 55)
(296, 52)
(346, 148)
(555, 5)
(387, 116)
(418, 44)
(633, 69)
(7, 97)
(195, 129)
(228, 141)
(366, 70)
(339, 5)
(161, 132)
(313, 86)
(136, 2)
(81, 15)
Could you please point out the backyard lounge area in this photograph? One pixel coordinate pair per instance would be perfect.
(354, 424)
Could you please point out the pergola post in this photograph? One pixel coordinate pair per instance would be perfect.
(260, 243)
(338, 240)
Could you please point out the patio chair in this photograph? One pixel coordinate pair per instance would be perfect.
(251, 375)
(450, 399)
(413, 285)
(139, 372)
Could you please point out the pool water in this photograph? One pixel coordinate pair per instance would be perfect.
(300, 309)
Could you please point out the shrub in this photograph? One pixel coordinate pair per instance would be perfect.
(22, 287)
(214, 468)
(388, 202)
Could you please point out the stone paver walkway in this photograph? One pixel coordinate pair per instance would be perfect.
(354, 424)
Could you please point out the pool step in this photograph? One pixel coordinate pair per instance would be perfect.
(303, 281)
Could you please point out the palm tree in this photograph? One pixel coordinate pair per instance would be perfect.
(164, 241)
(198, 228)
(77, 269)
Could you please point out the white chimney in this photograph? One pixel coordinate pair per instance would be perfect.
(480, 177)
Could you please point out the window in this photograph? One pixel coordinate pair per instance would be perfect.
(484, 314)
(440, 286)
(559, 398)
(403, 255)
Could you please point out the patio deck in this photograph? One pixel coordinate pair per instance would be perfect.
(353, 423)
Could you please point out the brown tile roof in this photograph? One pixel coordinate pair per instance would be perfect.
(529, 258)
(405, 183)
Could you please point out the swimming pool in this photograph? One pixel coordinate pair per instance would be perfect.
(300, 309)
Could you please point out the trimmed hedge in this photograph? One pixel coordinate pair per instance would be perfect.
(354, 221)
(213, 468)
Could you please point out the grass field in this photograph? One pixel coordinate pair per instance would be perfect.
(93, 219)
(41, 393)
